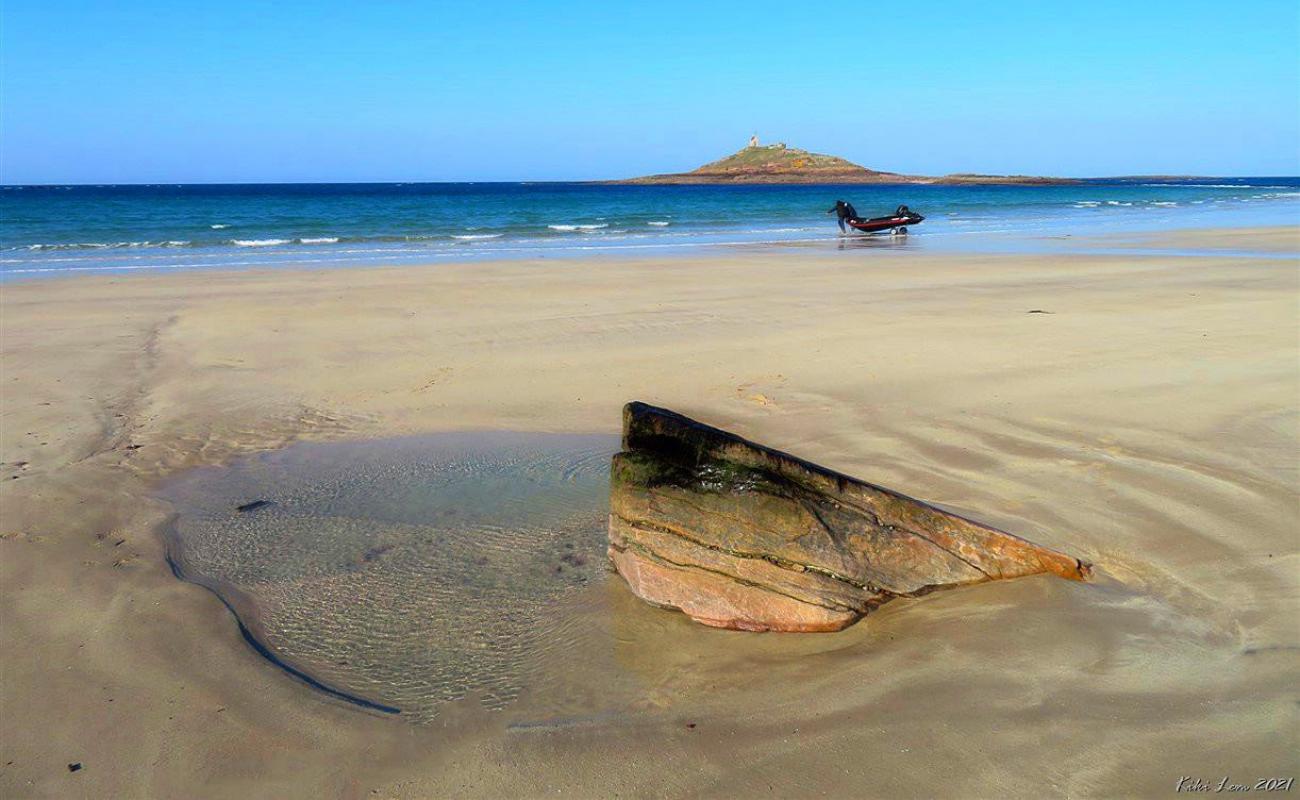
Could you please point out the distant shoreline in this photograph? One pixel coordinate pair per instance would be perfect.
(879, 179)
(896, 179)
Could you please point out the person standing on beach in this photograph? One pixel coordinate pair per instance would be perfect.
(846, 213)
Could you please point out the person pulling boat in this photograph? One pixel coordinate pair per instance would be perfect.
(846, 213)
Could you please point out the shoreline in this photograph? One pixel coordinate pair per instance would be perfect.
(925, 373)
(1252, 241)
(199, 228)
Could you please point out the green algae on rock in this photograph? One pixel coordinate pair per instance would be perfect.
(737, 535)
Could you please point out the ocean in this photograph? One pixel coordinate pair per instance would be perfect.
(47, 231)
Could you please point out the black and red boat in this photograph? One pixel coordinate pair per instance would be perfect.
(897, 222)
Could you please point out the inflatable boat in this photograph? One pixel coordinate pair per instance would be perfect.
(897, 222)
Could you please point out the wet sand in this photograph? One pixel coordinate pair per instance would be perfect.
(1146, 420)
(1282, 240)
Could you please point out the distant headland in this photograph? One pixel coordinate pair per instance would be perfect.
(780, 163)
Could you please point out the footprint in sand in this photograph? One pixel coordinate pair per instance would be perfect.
(441, 374)
(759, 398)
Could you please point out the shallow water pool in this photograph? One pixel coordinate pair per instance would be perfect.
(405, 573)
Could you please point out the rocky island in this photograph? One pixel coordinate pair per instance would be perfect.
(778, 163)
(738, 535)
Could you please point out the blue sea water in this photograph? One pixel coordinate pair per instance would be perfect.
(53, 230)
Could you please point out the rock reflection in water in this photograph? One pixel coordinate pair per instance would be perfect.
(408, 572)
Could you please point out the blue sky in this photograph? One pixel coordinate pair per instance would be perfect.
(140, 91)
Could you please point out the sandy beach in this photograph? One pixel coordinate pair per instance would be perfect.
(1141, 411)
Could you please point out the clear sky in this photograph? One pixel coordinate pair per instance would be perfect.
(135, 91)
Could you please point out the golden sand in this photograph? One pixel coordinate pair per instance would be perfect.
(1146, 421)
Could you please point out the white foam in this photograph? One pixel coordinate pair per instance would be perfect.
(578, 227)
(320, 240)
(475, 236)
(1218, 185)
(101, 245)
(65, 246)
(218, 226)
(258, 242)
(658, 224)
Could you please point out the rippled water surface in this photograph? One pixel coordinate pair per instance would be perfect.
(408, 572)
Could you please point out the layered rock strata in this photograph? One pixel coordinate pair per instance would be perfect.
(738, 535)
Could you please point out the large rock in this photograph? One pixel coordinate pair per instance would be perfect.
(738, 535)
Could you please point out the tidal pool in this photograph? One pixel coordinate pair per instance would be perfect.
(404, 573)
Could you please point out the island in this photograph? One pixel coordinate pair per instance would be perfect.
(779, 163)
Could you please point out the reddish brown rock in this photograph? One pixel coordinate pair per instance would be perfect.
(738, 535)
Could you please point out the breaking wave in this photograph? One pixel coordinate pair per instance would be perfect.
(99, 245)
(590, 227)
(1216, 185)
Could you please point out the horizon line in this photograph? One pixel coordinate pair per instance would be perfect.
(620, 181)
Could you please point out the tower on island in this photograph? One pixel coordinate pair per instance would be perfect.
(753, 140)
